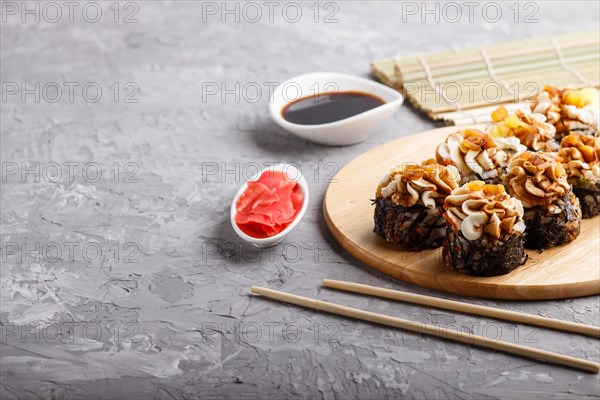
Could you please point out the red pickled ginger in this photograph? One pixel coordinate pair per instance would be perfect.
(268, 205)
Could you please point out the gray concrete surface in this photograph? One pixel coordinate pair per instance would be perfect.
(122, 278)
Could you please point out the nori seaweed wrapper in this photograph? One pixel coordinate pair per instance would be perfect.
(589, 199)
(413, 228)
(545, 229)
(580, 156)
(492, 181)
(485, 256)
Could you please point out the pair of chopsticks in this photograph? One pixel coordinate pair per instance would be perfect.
(524, 351)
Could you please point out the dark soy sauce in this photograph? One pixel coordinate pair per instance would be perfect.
(329, 107)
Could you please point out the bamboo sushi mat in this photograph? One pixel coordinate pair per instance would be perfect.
(465, 86)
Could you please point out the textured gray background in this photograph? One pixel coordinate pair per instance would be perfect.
(138, 324)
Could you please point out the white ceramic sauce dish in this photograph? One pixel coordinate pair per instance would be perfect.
(346, 131)
(296, 175)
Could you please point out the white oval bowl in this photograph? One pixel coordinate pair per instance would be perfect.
(347, 131)
(293, 173)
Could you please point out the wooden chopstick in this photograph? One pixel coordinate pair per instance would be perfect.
(515, 316)
(413, 326)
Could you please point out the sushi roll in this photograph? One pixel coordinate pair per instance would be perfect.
(531, 129)
(552, 211)
(409, 204)
(484, 230)
(569, 109)
(580, 156)
(476, 155)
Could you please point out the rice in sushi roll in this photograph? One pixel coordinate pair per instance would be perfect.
(552, 211)
(569, 109)
(476, 155)
(580, 156)
(531, 129)
(484, 230)
(409, 204)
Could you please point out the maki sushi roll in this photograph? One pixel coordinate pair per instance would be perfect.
(531, 129)
(484, 230)
(552, 211)
(476, 155)
(409, 204)
(569, 109)
(580, 156)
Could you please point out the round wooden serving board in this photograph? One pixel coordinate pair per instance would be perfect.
(571, 270)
